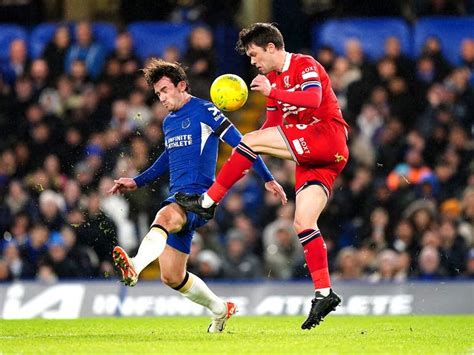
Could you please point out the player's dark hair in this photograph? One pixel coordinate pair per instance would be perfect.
(158, 68)
(259, 34)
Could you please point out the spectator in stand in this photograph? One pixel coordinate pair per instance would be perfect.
(120, 119)
(124, 54)
(429, 267)
(326, 56)
(387, 268)
(18, 267)
(72, 195)
(138, 110)
(393, 50)
(453, 249)
(18, 63)
(57, 259)
(376, 233)
(209, 265)
(18, 201)
(117, 208)
(40, 75)
(467, 55)
(79, 75)
(422, 215)
(19, 229)
(36, 247)
(171, 54)
(282, 252)
(239, 263)
(52, 169)
(201, 60)
(348, 266)
(86, 50)
(56, 50)
(432, 49)
(51, 205)
(97, 231)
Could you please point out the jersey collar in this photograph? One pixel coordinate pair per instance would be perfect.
(286, 65)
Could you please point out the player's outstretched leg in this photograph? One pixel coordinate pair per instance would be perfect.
(320, 307)
(192, 203)
(123, 262)
(218, 323)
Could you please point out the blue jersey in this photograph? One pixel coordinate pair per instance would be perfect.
(191, 144)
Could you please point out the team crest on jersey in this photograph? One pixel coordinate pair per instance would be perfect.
(186, 123)
(338, 158)
(286, 81)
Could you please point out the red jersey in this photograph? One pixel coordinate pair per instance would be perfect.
(301, 72)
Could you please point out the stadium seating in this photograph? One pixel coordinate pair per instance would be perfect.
(449, 30)
(104, 33)
(8, 33)
(152, 38)
(40, 36)
(371, 32)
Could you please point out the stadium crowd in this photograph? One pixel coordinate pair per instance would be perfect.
(76, 118)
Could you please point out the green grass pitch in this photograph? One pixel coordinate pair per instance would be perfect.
(243, 335)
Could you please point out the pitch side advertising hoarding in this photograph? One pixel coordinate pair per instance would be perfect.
(102, 299)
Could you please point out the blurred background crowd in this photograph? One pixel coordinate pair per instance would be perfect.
(80, 114)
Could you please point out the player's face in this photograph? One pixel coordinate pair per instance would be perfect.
(262, 58)
(173, 97)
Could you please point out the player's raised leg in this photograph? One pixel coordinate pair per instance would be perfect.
(174, 274)
(168, 220)
(268, 141)
(309, 204)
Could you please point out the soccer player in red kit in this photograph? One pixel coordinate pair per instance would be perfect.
(304, 123)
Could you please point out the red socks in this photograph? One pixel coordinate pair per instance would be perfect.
(233, 170)
(316, 257)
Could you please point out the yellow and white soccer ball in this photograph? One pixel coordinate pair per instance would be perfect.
(229, 92)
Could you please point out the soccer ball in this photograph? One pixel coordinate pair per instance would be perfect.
(229, 92)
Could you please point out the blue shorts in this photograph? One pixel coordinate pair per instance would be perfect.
(182, 239)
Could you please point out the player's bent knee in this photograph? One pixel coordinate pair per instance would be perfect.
(250, 139)
(170, 221)
(172, 280)
(301, 225)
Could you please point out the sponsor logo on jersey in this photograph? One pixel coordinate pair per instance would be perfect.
(183, 140)
(309, 75)
(300, 145)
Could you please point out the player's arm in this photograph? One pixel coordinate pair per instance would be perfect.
(310, 95)
(158, 168)
(274, 116)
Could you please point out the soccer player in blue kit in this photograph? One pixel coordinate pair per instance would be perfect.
(192, 130)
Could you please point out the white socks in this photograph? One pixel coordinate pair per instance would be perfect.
(150, 248)
(199, 293)
(324, 291)
(206, 201)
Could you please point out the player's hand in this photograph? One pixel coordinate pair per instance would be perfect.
(122, 185)
(262, 84)
(277, 190)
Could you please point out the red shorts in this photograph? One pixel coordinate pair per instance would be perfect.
(320, 151)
